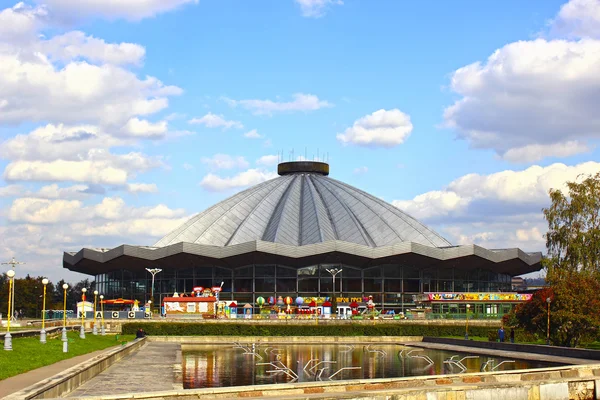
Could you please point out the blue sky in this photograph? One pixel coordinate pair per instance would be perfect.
(119, 121)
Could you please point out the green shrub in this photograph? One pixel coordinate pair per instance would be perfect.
(266, 329)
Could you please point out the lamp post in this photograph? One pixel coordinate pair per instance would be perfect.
(64, 338)
(467, 323)
(102, 331)
(43, 331)
(548, 300)
(13, 263)
(153, 271)
(82, 329)
(334, 272)
(7, 337)
(95, 328)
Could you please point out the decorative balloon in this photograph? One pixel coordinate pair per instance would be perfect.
(299, 301)
(271, 300)
(288, 300)
(260, 301)
(280, 301)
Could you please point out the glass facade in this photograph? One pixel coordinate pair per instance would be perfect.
(391, 285)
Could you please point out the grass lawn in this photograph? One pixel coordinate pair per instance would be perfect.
(28, 353)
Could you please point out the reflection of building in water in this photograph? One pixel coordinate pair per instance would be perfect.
(280, 238)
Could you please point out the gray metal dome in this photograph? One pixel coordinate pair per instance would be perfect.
(303, 206)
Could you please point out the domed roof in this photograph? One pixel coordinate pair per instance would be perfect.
(303, 206)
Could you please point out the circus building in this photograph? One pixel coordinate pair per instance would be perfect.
(285, 237)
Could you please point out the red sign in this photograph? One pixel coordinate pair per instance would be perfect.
(215, 289)
(198, 289)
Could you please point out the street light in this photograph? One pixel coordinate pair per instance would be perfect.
(13, 263)
(334, 272)
(64, 338)
(7, 337)
(153, 271)
(548, 300)
(102, 331)
(43, 331)
(82, 329)
(467, 323)
(95, 329)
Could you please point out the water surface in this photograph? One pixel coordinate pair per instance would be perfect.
(220, 366)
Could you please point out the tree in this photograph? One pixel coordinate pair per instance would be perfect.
(573, 260)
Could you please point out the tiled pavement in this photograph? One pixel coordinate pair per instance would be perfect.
(155, 367)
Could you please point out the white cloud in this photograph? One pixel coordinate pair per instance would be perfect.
(211, 120)
(76, 45)
(250, 177)
(33, 89)
(528, 188)
(19, 23)
(54, 191)
(534, 98)
(316, 8)
(502, 209)
(268, 160)
(11, 191)
(188, 167)
(360, 170)
(301, 102)
(133, 10)
(145, 129)
(578, 18)
(44, 211)
(225, 161)
(383, 128)
(142, 188)
(253, 134)
(100, 167)
(536, 152)
(71, 153)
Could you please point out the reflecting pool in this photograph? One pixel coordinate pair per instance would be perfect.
(248, 364)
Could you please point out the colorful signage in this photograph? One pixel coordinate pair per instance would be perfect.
(478, 297)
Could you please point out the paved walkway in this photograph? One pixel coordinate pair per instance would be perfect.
(20, 382)
(154, 367)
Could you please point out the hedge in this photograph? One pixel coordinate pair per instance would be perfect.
(200, 329)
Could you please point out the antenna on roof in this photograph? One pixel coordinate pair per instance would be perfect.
(318, 154)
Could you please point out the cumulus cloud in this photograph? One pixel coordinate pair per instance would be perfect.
(142, 188)
(211, 120)
(578, 18)
(11, 190)
(76, 45)
(247, 178)
(316, 8)
(19, 23)
(268, 160)
(536, 152)
(225, 161)
(34, 89)
(383, 128)
(361, 170)
(142, 128)
(113, 9)
(48, 211)
(253, 134)
(300, 102)
(76, 154)
(502, 209)
(534, 99)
